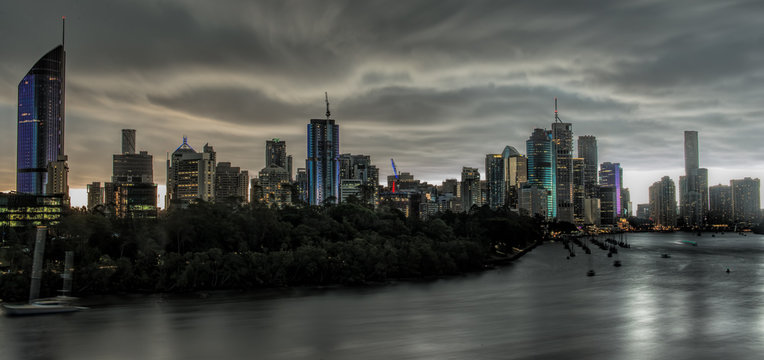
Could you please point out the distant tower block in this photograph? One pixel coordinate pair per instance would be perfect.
(128, 141)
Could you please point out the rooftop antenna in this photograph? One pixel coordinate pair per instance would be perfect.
(556, 117)
(328, 114)
(63, 31)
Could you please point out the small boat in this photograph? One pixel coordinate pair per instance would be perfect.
(590, 273)
(665, 256)
(617, 263)
(42, 307)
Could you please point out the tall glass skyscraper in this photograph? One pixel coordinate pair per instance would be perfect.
(40, 137)
(323, 162)
(542, 158)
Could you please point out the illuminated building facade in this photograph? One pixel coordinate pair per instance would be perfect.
(28, 210)
(40, 137)
(495, 178)
(190, 175)
(322, 164)
(611, 176)
(541, 167)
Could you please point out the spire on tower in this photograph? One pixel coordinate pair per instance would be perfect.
(556, 117)
(328, 114)
(63, 31)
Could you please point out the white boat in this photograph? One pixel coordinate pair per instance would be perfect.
(41, 307)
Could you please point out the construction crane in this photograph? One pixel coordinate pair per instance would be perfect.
(395, 172)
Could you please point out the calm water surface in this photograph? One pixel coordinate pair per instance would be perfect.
(542, 306)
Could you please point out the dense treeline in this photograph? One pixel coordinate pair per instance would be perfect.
(219, 246)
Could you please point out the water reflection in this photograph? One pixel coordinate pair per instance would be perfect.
(543, 306)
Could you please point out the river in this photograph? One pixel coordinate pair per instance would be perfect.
(541, 306)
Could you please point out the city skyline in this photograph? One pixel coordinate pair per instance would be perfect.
(399, 91)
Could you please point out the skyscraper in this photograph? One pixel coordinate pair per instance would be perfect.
(95, 195)
(190, 175)
(515, 174)
(470, 188)
(663, 203)
(128, 141)
(611, 176)
(720, 207)
(494, 175)
(541, 167)
(562, 134)
(132, 190)
(587, 150)
(322, 164)
(275, 153)
(579, 191)
(746, 201)
(272, 186)
(231, 183)
(359, 178)
(129, 167)
(694, 190)
(41, 119)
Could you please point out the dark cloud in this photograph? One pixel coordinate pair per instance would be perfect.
(435, 84)
(233, 105)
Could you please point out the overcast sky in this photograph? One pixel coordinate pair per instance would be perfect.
(434, 84)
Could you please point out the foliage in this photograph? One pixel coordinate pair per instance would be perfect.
(223, 246)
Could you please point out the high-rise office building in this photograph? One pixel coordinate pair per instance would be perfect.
(515, 174)
(231, 183)
(625, 202)
(562, 134)
(272, 186)
(470, 188)
(611, 176)
(190, 175)
(541, 166)
(643, 211)
(608, 204)
(587, 150)
(95, 195)
(720, 207)
(322, 164)
(58, 179)
(359, 178)
(746, 201)
(579, 190)
(301, 184)
(663, 203)
(132, 190)
(533, 200)
(275, 153)
(129, 167)
(495, 178)
(694, 189)
(41, 120)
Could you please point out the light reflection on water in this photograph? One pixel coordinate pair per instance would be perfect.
(543, 306)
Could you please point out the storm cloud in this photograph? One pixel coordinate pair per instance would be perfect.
(434, 84)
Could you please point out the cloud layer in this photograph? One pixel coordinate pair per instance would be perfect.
(434, 84)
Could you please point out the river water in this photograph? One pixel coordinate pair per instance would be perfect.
(541, 306)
